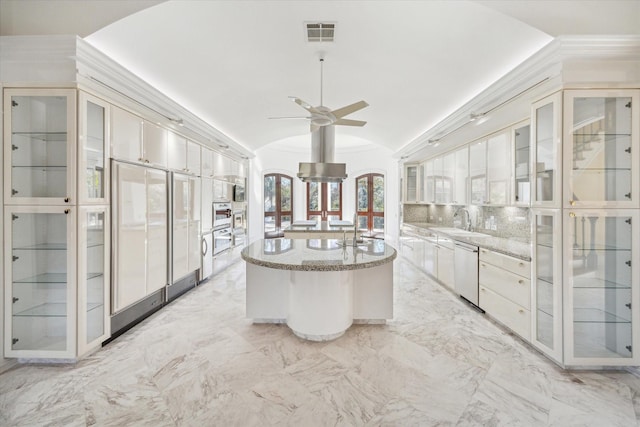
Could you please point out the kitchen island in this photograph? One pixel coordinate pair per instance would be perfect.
(319, 287)
(320, 230)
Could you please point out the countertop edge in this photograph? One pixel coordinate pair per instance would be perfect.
(480, 242)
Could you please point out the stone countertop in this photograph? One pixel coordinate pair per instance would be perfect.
(514, 247)
(317, 254)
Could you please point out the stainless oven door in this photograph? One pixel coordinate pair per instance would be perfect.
(222, 215)
(221, 240)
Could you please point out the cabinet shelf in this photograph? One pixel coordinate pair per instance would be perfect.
(43, 247)
(50, 309)
(603, 169)
(597, 283)
(53, 278)
(601, 248)
(43, 136)
(594, 315)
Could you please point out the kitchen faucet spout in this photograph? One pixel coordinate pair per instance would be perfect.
(467, 224)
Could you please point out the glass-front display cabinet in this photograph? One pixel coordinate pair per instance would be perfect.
(547, 149)
(411, 184)
(461, 176)
(429, 182)
(93, 277)
(40, 291)
(601, 278)
(499, 169)
(601, 148)
(546, 321)
(521, 161)
(93, 150)
(478, 172)
(39, 148)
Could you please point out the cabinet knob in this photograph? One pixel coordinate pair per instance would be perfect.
(140, 159)
(146, 161)
(572, 202)
(521, 281)
(482, 265)
(521, 264)
(66, 200)
(520, 310)
(572, 215)
(66, 211)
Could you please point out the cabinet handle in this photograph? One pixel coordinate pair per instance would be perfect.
(628, 263)
(15, 258)
(628, 221)
(14, 192)
(628, 195)
(66, 199)
(628, 150)
(15, 299)
(66, 211)
(14, 341)
(628, 305)
(14, 147)
(572, 202)
(572, 215)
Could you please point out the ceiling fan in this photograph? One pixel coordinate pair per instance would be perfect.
(322, 116)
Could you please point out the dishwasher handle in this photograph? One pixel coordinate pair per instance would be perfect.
(468, 248)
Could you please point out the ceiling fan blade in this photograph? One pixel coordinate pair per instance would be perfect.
(304, 104)
(341, 112)
(346, 122)
(314, 127)
(292, 117)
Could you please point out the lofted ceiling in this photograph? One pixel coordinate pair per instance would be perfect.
(235, 63)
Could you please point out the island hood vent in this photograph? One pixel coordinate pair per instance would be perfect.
(322, 168)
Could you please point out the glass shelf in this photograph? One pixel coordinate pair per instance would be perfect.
(43, 136)
(50, 309)
(61, 168)
(53, 278)
(594, 282)
(601, 248)
(594, 315)
(43, 247)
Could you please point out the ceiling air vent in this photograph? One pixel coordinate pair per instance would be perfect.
(320, 32)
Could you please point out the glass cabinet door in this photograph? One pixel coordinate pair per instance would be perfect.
(447, 177)
(547, 282)
(601, 146)
(461, 176)
(499, 169)
(411, 184)
(602, 286)
(92, 150)
(40, 281)
(429, 182)
(521, 160)
(39, 146)
(546, 139)
(478, 172)
(93, 277)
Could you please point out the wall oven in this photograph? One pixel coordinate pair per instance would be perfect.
(222, 214)
(222, 239)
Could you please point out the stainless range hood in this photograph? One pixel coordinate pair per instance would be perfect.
(321, 168)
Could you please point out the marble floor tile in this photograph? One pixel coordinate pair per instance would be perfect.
(200, 362)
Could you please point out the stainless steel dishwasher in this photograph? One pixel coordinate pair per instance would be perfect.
(466, 271)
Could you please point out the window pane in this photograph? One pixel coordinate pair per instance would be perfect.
(285, 194)
(285, 221)
(317, 218)
(269, 194)
(269, 224)
(363, 196)
(334, 196)
(378, 223)
(314, 196)
(378, 194)
(363, 223)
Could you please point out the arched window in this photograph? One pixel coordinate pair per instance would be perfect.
(370, 204)
(278, 204)
(324, 200)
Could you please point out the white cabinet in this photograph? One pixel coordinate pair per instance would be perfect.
(546, 137)
(445, 171)
(602, 284)
(93, 150)
(206, 205)
(186, 226)
(601, 148)
(499, 169)
(429, 182)
(207, 163)
(505, 290)
(184, 155)
(154, 144)
(126, 135)
(411, 184)
(521, 137)
(40, 281)
(40, 146)
(140, 233)
(461, 176)
(94, 324)
(478, 172)
(444, 259)
(136, 140)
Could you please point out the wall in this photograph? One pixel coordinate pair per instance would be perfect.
(359, 158)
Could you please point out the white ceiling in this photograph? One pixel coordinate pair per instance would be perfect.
(234, 63)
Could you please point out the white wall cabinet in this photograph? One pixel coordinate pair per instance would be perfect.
(461, 176)
(93, 150)
(521, 137)
(207, 163)
(193, 158)
(154, 144)
(411, 183)
(429, 181)
(184, 155)
(40, 146)
(546, 136)
(478, 172)
(499, 169)
(126, 135)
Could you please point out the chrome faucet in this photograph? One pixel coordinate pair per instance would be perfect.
(467, 224)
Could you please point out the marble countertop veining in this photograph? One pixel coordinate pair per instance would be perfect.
(514, 247)
(317, 254)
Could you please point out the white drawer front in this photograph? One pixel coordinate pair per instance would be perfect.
(511, 286)
(513, 316)
(515, 265)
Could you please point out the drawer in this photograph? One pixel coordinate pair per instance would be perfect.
(511, 286)
(514, 265)
(510, 314)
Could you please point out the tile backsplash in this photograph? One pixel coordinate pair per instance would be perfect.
(499, 221)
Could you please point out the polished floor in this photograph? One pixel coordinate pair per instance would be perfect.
(199, 362)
